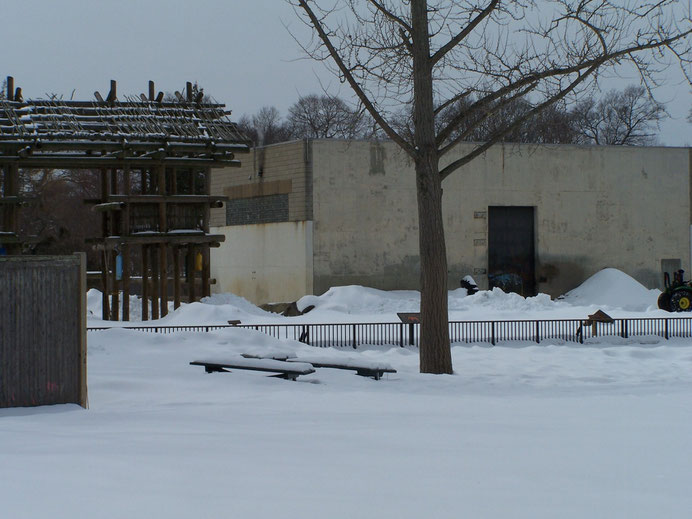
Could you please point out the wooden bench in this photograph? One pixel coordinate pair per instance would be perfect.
(270, 355)
(361, 367)
(290, 371)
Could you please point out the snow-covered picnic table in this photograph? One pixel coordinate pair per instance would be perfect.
(280, 368)
(362, 367)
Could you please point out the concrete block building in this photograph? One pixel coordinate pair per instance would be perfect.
(307, 215)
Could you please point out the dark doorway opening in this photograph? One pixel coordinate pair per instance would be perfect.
(511, 249)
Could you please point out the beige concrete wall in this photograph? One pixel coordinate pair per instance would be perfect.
(264, 263)
(596, 207)
(281, 164)
(365, 219)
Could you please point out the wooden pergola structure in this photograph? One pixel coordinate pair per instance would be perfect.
(154, 159)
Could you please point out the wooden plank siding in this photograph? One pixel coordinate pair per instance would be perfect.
(42, 330)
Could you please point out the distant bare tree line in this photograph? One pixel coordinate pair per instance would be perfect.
(620, 117)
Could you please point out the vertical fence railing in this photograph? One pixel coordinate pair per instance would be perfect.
(491, 332)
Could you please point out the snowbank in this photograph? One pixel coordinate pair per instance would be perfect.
(611, 290)
(615, 289)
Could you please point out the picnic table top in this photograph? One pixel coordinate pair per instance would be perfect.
(347, 363)
(256, 364)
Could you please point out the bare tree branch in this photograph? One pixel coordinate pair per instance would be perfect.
(362, 96)
(453, 166)
(468, 29)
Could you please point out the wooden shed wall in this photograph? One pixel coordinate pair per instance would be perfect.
(42, 330)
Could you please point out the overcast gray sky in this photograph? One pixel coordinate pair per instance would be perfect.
(239, 51)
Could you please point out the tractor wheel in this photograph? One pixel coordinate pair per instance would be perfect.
(681, 301)
(664, 301)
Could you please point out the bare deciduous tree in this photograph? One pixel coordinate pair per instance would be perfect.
(324, 117)
(553, 125)
(265, 127)
(57, 214)
(432, 54)
(628, 117)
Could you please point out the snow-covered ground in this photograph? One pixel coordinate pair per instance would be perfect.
(600, 430)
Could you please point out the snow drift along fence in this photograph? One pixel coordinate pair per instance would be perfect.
(492, 332)
(42, 330)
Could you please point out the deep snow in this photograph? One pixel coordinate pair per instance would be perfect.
(600, 430)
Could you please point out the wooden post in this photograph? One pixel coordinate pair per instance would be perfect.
(163, 248)
(155, 282)
(190, 274)
(163, 258)
(152, 91)
(104, 199)
(5, 210)
(206, 215)
(115, 292)
(126, 282)
(115, 231)
(12, 212)
(145, 283)
(125, 224)
(10, 88)
(83, 399)
(143, 181)
(176, 277)
(105, 311)
(206, 271)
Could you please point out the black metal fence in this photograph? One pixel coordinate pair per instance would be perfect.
(492, 332)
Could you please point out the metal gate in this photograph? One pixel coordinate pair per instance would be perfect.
(511, 249)
(42, 330)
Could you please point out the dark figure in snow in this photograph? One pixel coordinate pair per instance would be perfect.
(469, 284)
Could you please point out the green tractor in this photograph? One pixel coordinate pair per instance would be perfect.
(677, 296)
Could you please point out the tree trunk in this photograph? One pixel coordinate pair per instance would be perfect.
(435, 354)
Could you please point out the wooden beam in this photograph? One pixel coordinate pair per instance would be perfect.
(145, 282)
(171, 199)
(163, 259)
(163, 249)
(113, 94)
(206, 272)
(108, 206)
(102, 144)
(191, 274)
(115, 291)
(170, 238)
(104, 198)
(126, 282)
(176, 276)
(66, 161)
(83, 400)
(105, 311)
(127, 188)
(155, 282)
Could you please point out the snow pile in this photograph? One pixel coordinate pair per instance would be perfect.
(613, 288)
(355, 299)
(216, 309)
(358, 300)
(497, 300)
